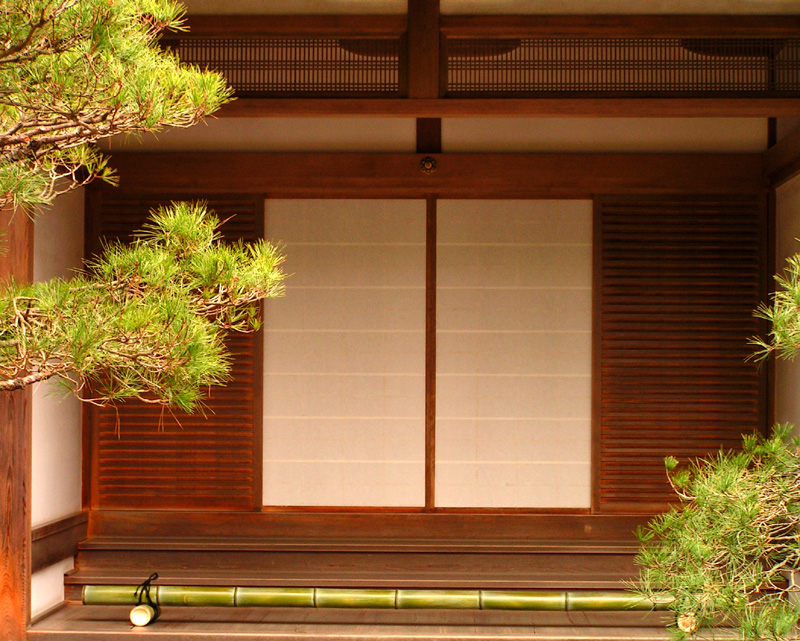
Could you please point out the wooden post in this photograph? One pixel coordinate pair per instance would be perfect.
(423, 48)
(15, 449)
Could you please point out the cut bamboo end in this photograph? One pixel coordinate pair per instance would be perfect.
(143, 614)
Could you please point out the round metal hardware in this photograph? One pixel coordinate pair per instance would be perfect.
(427, 165)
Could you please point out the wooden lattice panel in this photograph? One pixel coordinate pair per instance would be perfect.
(146, 458)
(623, 66)
(300, 67)
(677, 284)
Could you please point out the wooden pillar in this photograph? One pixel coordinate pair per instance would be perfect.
(15, 449)
(423, 48)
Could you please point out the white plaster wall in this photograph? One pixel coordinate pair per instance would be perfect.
(344, 355)
(279, 134)
(787, 391)
(671, 135)
(56, 445)
(47, 586)
(513, 384)
(56, 484)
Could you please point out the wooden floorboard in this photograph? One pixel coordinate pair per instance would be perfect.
(211, 624)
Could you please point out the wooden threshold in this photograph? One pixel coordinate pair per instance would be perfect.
(509, 107)
(437, 528)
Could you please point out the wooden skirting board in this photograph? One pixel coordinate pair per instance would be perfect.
(57, 540)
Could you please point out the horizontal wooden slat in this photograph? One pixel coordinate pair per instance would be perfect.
(676, 285)
(496, 107)
(640, 26)
(290, 26)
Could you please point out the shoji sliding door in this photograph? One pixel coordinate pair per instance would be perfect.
(344, 355)
(513, 383)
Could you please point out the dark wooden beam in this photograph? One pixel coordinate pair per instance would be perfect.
(474, 175)
(423, 48)
(270, 26)
(58, 540)
(782, 161)
(497, 107)
(496, 26)
(15, 451)
(640, 26)
(429, 135)
(392, 529)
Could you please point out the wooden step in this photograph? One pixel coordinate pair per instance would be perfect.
(101, 623)
(446, 546)
(319, 564)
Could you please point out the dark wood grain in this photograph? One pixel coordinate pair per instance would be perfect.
(423, 48)
(15, 453)
(673, 338)
(496, 107)
(104, 623)
(782, 160)
(142, 456)
(271, 26)
(58, 540)
(635, 26)
(564, 528)
(387, 175)
(429, 135)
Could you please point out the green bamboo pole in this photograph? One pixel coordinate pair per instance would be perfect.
(439, 599)
(111, 594)
(354, 598)
(523, 600)
(173, 595)
(275, 597)
(196, 595)
(607, 601)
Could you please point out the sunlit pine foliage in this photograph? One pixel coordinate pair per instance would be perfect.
(75, 71)
(145, 320)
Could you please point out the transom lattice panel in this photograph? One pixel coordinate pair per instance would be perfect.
(310, 66)
(623, 66)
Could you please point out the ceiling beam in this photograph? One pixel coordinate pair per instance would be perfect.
(513, 107)
(609, 26)
(468, 175)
